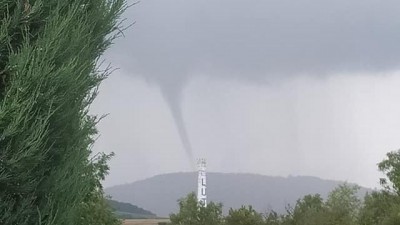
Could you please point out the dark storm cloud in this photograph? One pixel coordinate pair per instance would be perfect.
(261, 38)
(256, 40)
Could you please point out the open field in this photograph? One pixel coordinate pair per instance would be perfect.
(144, 221)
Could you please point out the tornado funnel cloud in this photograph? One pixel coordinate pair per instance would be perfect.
(180, 125)
(173, 100)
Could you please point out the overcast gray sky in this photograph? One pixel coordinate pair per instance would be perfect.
(275, 87)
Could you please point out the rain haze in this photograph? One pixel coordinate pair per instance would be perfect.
(273, 87)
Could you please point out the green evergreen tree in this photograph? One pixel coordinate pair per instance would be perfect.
(48, 69)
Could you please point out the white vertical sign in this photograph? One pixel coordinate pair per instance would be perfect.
(202, 182)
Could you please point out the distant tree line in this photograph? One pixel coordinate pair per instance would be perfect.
(129, 208)
(128, 211)
(342, 206)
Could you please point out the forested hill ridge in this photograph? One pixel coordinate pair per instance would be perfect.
(127, 210)
(159, 194)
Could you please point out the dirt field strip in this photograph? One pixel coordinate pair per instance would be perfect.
(144, 221)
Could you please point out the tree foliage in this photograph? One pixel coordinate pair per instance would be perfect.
(309, 210)
(244, 216)
(193, 213)
(391, 167)
(380, 208)
(343, 205)
(48, 69)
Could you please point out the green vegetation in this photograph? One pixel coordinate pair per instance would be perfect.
(244, 216)
(192, 213)
(266, 191)
(342, 206)
(128, 211)
(48, 69)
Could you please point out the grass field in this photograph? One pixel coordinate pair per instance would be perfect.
(144, 221)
